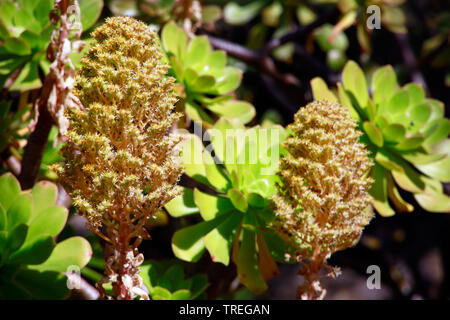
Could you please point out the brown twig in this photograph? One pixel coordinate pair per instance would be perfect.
(191, 183)
(35, 148)
(56, 92)
(254, 58)
(300, 31)
(261, 59)
(278, 94)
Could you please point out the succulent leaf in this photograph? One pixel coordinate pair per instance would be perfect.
(203, 73)
(29, 220)
(407, 128)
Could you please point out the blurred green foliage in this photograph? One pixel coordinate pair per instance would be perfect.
(206, 79)
(25, 31)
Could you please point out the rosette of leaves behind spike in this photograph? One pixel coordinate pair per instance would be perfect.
(25, 30)
(235, 205)
(120, 165)
(31, 263)
(323, 202)
(206, 81)
(406, 132)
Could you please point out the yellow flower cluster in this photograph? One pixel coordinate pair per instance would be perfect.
(323, 202)
(120, 163)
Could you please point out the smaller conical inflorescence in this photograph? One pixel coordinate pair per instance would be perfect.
(323, 201)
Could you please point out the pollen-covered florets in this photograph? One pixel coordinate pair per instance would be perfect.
(120, 164)
(323, 202)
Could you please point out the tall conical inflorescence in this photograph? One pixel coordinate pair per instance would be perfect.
(120, 165)
(323, 202)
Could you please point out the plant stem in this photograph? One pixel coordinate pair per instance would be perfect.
(35, 148)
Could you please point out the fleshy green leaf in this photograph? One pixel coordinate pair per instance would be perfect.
(51, 221)
(384, 84)
(374, 133)
(238, 199)
(44, 195)
(32, 38)
(46, 285)
(394, 132)
(199, 284)
(416, 93)
(410, 143)
(229, 80)
(441, 132)
(346, 102)
(409, 180)
(90, 11)
(187, 243)
(202, 83)
(181, 294)
(387, 160)
(4, 33)
(42, 11)
(418, 156)
(28, 78)
(439, 170)
(323, 34)
(73, 251)
(182, 205)
(379, 192)
(25, 19)
(192, 156)
(7, 13)
(223, 143)
(235, 14)
(355, 82)
(247, 262)
(174, 40)
(267, 264)
(34, 253)
(159, 293)
(16, 237)
(255, 200)
(394, 195)
(196, 113)
(10, 188)
(434, 202)
(20, 210)
(211, 206)
(214, 175)
(216, 60)
(420, 113)
(398, 103)
(320, 90)
(3, 218)
(219, 241)
(17, 46)
(238, 109)
(198, 50)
